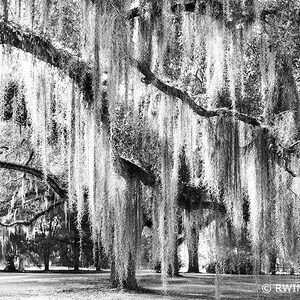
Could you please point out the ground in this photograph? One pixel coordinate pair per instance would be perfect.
(92, 285)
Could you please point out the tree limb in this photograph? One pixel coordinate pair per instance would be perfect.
(187, 99)
(37, 173)
(35, 217)
(133, 170)
(45, 51)
(30, 158)
(192, 198)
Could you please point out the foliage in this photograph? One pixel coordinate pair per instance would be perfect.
(233, 62)
(241, 263)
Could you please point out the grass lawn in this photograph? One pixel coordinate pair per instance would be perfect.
(92, 285)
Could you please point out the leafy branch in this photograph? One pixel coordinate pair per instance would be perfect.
(187, 99)
(35, 217)
(37, 173)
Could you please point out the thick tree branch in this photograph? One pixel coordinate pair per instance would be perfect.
(192, 198)
(187, 99)
(37, 173)
(43, 50)
(133, 170)
(35, 217)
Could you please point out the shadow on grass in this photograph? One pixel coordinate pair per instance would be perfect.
(57, 272)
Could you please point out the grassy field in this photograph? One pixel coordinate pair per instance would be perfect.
(92, 285)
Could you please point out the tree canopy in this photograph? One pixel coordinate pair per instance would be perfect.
(158, 107)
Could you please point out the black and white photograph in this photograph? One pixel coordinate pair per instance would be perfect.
(150, 149)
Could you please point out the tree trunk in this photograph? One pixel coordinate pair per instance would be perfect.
(193, 252)
(129, 282)
(101, 261)
(114, 279)
(176, 263)
(46, 259)
(76, 254)
(21, 263)
(10, 261)
(97, 258)
(174, 272)
(272, 258)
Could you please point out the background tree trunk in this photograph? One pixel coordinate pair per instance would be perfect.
(272, 258)
(97, 258)
(193, 252)
(76, 254)
(10, 260)
(21, 263)
(46, 259)
(176, 263)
